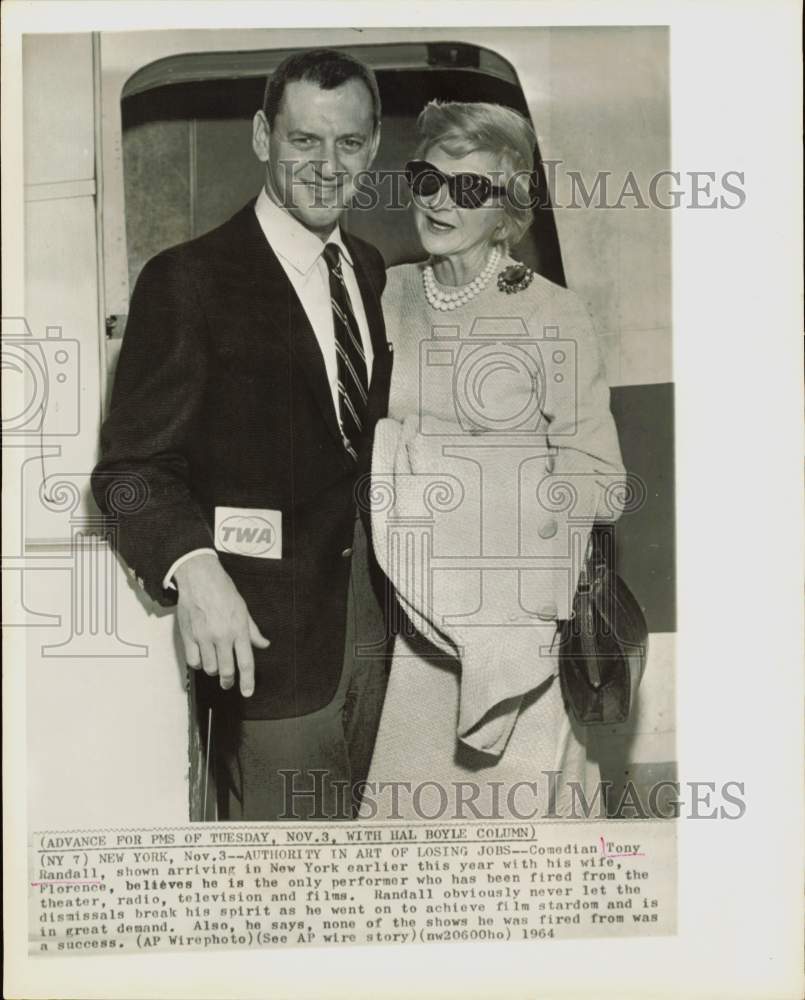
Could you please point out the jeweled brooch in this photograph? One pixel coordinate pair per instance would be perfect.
(515, 278)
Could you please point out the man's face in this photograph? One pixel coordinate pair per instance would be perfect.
(320, 140)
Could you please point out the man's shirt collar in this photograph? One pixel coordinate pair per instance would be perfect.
(290, 240)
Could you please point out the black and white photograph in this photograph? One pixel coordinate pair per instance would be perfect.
(382, 353)
(354, 504)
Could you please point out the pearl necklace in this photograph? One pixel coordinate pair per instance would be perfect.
(445, 301)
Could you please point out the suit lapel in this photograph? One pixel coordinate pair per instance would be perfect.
(370, 293)
(283, 310)
(370, 289)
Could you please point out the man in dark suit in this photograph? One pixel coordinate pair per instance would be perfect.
(253, 369)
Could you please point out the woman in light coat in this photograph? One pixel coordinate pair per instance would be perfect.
(499, 453)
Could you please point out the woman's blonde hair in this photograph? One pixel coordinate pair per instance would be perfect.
(459, 128)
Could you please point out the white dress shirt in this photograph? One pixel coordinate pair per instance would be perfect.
(299, 251)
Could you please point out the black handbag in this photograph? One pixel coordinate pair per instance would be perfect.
(602, 649)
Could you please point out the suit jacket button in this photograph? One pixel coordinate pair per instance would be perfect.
(347, 552)
(548, 528)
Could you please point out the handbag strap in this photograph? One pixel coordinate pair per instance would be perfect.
(591, 569)
(585, 575)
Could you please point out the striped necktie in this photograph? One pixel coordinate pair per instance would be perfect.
(352, 378)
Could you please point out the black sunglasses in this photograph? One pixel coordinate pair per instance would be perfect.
(466, 190)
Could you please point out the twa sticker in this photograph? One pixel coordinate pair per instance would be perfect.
(248, 532)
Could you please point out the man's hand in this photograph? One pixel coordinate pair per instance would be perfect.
(216, 627)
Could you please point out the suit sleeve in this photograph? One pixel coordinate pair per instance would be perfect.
(142, 481)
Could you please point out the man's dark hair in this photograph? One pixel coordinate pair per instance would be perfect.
(327, 68)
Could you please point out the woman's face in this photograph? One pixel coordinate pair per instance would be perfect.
(446, 230)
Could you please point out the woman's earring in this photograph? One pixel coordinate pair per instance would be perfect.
(501, 238)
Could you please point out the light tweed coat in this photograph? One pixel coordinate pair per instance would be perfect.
(499, 454)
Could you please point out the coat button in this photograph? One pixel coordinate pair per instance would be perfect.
(347, 552)
(548, 528)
